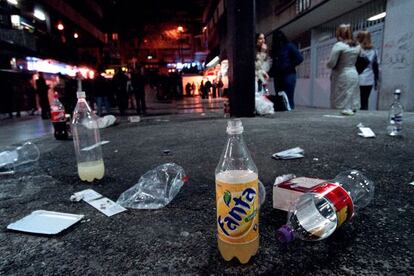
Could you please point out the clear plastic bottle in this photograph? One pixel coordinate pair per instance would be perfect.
(395, 117)
(86, 139)
(58, 118)
(318, 213)
(237, 198)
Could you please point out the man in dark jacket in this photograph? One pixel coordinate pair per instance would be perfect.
(285, 57)
(42, 91)
(138, 88)
(101, 91)
(120, 84)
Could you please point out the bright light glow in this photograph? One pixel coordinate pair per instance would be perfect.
(13, 63)
(84, 72)
(377, 17)
(39, 15)
(54, 67)
(110, 71)
(15, 20)
(91, 74)
(204, 29)
(13, 2)
(213, 62)
(75, 35)
(180, 29)
(60, 27)
(149, 57)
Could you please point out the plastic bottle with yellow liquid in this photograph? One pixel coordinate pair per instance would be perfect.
(237, 198)
(87, 140)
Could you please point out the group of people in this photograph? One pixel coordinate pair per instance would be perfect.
(350, 90)
(100, 91)
(205, 88)
(281, 66)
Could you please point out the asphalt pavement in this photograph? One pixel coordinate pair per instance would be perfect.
(181, 238)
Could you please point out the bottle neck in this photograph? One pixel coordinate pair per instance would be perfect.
(235, 135)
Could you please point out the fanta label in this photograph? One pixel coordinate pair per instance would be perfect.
(237, 211)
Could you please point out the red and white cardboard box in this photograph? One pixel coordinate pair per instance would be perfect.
(287, 192)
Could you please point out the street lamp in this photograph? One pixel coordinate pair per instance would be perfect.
(180, 30)
(60, 27)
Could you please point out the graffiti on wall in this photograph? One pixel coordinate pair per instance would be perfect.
(398, 52)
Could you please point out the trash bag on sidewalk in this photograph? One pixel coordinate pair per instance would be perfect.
(155, 189)
(263, 105)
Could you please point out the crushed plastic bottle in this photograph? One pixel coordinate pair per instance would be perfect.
(318, 213)
(395, 117)
(14, 157)
(155, 189)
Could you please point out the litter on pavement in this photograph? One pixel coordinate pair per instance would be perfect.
(45, 222)
(292, 153)
(366, 132)
(96, 200)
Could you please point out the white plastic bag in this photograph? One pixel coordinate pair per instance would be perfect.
(263, 105)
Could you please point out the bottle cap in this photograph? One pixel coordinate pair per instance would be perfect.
(234, 126)
(81, 94)
(397, 91)
(285, 234)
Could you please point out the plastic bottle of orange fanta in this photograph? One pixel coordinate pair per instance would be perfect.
(237, 198)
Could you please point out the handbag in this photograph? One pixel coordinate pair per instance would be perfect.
(361, 63)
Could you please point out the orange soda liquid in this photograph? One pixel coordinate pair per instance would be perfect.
(237, 200)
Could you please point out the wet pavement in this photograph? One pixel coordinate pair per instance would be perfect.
(28, 127)
(181, 238)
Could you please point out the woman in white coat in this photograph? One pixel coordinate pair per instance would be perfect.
(344, 77)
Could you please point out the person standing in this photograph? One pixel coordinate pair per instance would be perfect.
(285, 58)
(344, 76)
(369, 77)
(202, 90)
(138, 88)
(120, 84)
(42, 91)
(188, 89)
(262, 63)
(101, 92)
(207, 88)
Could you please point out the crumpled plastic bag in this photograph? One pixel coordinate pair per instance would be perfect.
(155, 189)
(263, 105)
(106, 121)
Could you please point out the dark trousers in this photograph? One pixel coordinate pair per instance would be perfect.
(365, 91)
(122, 100)
(286, 83)
(140, 99)
(44, 104)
